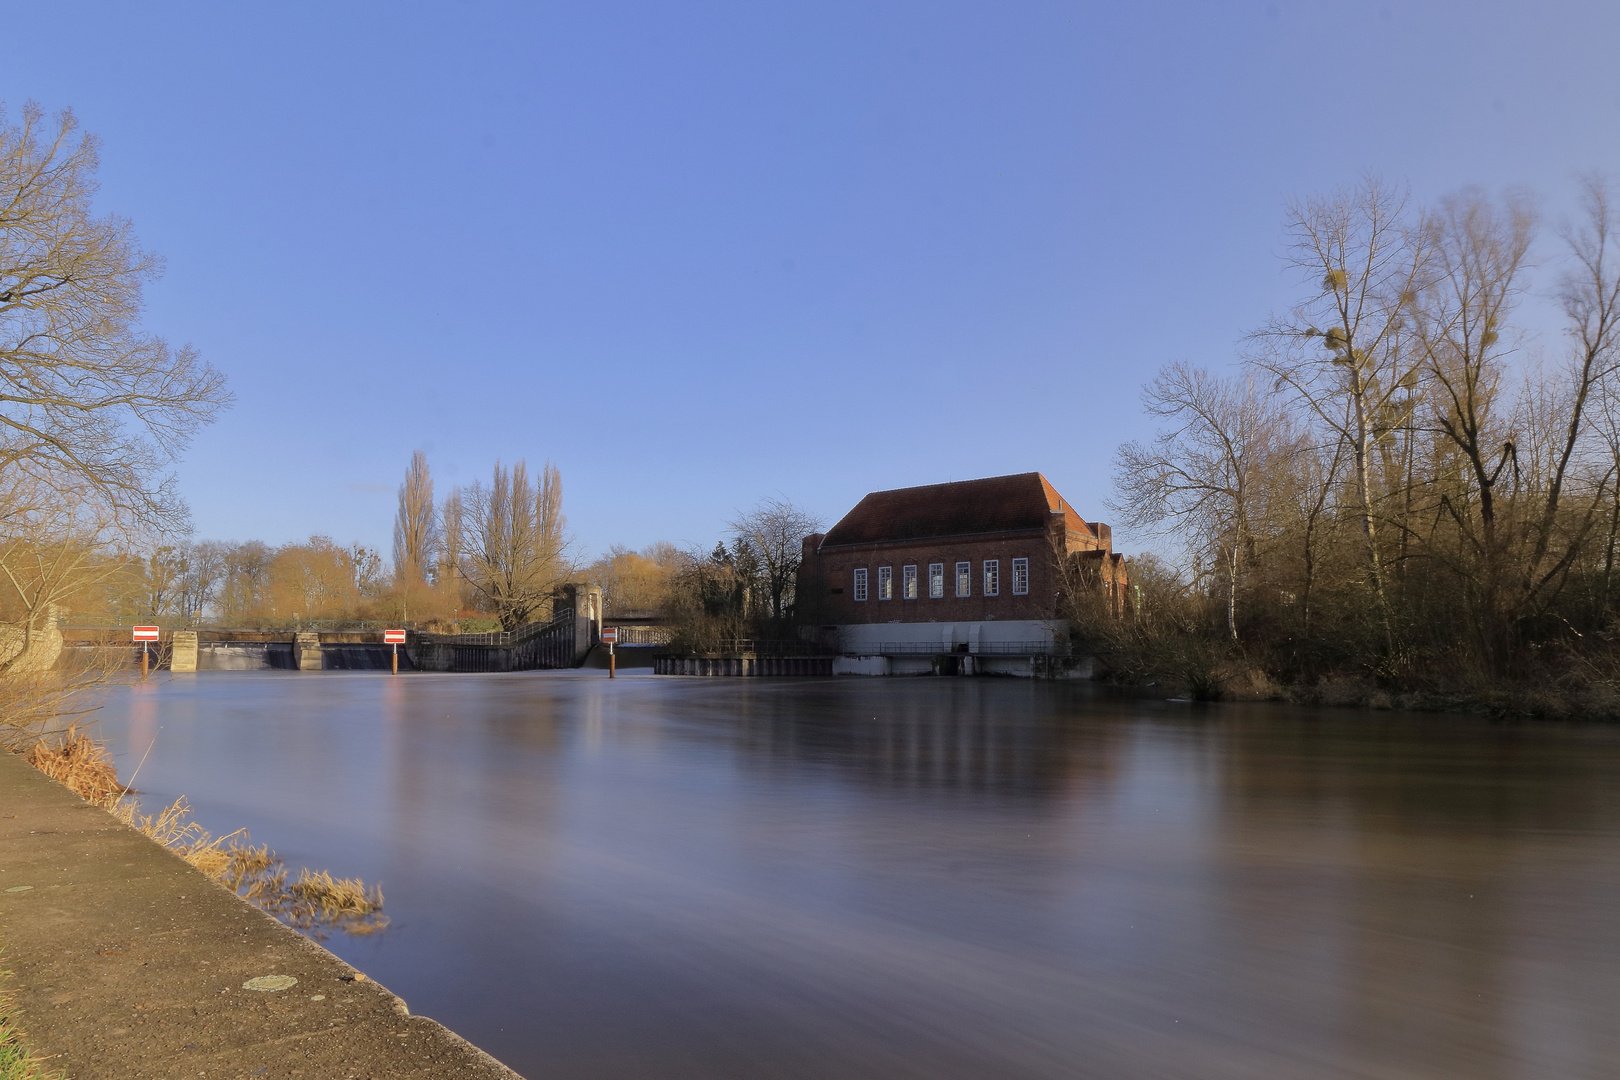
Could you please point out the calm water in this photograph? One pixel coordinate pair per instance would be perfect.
(717, 878)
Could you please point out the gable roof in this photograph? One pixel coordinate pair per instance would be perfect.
(1020, 503)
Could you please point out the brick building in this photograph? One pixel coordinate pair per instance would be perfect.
(916, 578)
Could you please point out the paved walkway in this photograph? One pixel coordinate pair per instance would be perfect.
(128, 962)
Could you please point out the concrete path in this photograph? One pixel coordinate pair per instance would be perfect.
(128, 962)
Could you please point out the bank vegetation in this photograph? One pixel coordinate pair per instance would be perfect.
(1401, 494)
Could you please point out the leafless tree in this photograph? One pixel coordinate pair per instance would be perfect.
(202, 570)
(450, 538)
(1209, 474)
(416, 525)
(637, 581)
(245, 589)
(1345, 350)
(514, 552)
(773, 533)
(87, 398)
(1480, 252)
(1590, 297)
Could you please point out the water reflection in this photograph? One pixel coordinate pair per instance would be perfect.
(939, 737)
(933, 878)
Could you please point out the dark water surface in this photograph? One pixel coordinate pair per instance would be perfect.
(728, 878)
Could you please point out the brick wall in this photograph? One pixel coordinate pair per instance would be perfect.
(832, 577)
(826, 588)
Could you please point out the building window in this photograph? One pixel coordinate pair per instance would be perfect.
(936, 581)
(1020, 577)
(964, 579)
(992, 577)
(860, 584)
(885, 583)
(908, 583)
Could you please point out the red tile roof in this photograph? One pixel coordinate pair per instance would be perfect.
(1019, 503)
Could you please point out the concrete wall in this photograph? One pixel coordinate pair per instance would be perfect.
(245, 656)
(278, 656)
(861, 665)
(1019, 667)
(950, 636)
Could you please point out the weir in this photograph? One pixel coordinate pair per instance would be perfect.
(187, 651)
(563, 641)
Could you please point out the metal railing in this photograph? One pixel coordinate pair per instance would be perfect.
(500, 638)
(644, 635)
(253, 625)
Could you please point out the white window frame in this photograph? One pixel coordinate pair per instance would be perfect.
(936, 581)
(1020, 581)
(964, 579)
(860, 583)
(992, 577)
(908, 583)
(885, 583)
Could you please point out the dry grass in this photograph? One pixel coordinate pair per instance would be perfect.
(315, 903)
(82, 765)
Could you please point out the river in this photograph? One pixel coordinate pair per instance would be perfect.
(930, 878)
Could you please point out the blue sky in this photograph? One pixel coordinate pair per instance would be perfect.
(698, 253)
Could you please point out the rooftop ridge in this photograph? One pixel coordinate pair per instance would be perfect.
(1013, 502)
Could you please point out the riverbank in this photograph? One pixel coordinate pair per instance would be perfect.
(128, 962)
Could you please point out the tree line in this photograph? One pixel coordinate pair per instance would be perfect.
(1399, 484)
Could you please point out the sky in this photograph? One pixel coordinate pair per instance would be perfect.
(701, 254)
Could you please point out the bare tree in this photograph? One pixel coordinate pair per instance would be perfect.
(1590, 297)
(202, 570)
(637, 581)
(53, 547)
(1480, 252)
(86, 396)
(245, 590)
(161, 575)
(773, 533)
(1345, 350)
(512, 533)
(416, 525)
(1210, 472)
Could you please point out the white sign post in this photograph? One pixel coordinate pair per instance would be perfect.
(396, 638)
(610, 638)
(144, 634)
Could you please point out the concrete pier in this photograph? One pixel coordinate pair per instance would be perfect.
(127, 962)
(183, 651)
(307, 652)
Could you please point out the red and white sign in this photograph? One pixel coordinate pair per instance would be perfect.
(610, 635)
(146, 633)
(393, 637)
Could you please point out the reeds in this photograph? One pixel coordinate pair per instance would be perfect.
(314, 903)
(82, 765)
